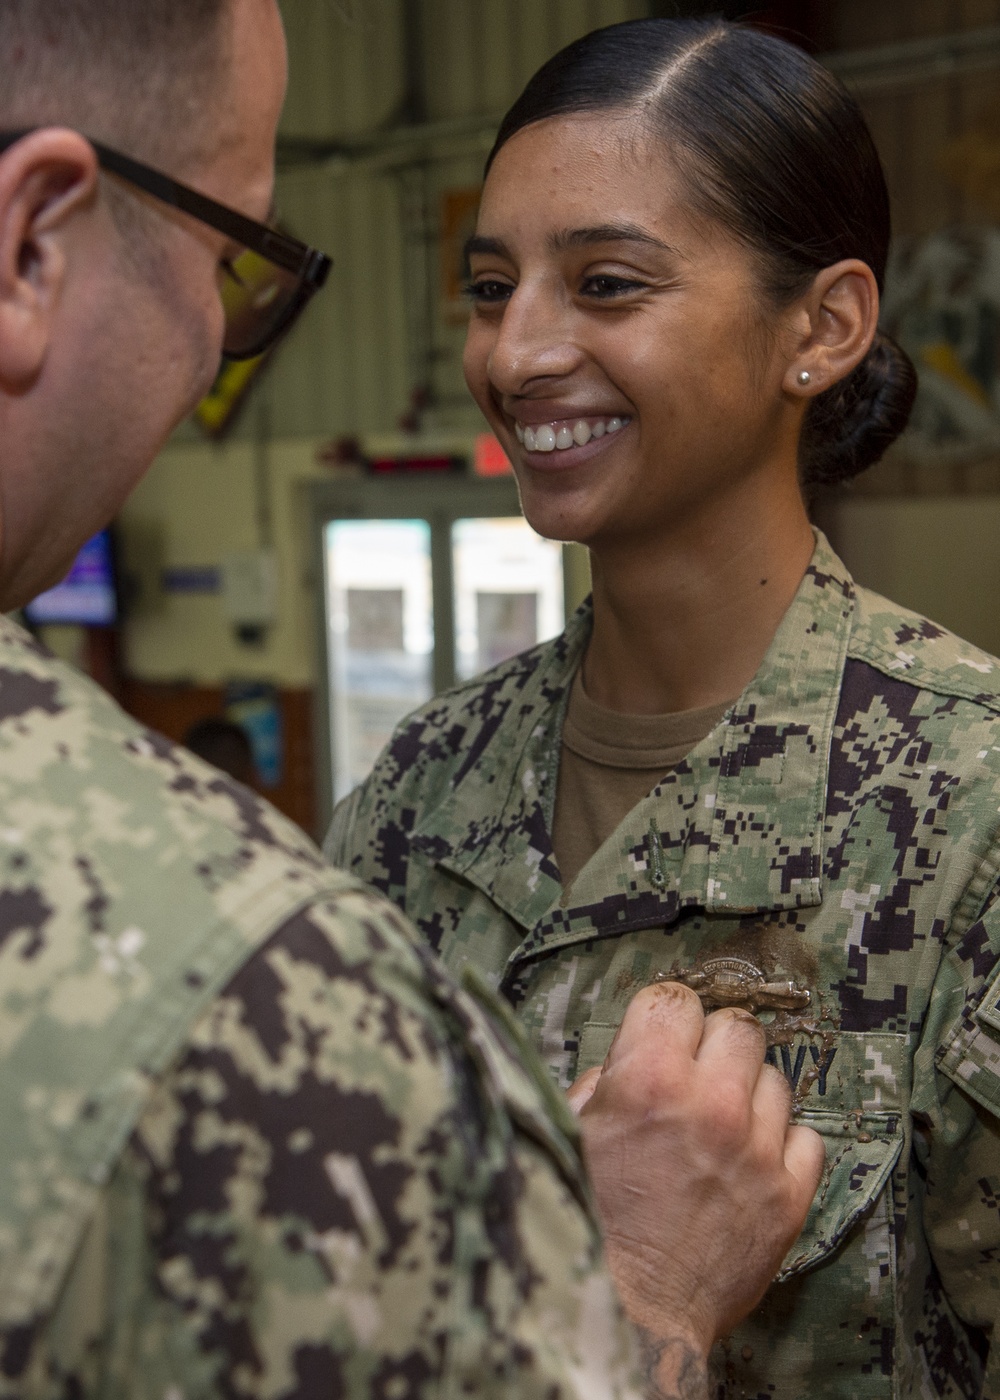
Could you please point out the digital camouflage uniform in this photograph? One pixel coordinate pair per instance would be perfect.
(253, 1143)
(831, 848)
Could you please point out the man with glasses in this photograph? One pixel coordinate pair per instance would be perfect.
(267, 282)
(254, 1142)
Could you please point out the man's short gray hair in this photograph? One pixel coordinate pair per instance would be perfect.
(140, 74)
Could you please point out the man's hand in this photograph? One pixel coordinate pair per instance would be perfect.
(701, 1182)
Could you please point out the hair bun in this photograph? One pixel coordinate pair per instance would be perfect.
(851, 426)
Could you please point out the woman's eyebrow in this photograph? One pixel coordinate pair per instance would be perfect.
(488, 247)
(567, 239)
(609, 233)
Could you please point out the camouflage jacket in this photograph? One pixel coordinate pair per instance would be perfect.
(827, 856)
(255, 1143)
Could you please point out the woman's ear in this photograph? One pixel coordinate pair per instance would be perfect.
(837, 320)
(45, 178)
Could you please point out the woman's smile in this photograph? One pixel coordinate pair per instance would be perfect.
(558, 442)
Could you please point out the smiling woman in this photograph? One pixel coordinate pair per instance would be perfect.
(735, 769)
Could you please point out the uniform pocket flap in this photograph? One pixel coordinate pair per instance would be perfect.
(971, 1059)
(988, 1010)
(850, 1092)
(861, 1152)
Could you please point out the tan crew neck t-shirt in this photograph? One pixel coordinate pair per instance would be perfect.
(609, 763)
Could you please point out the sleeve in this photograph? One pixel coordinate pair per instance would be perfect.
(344, 1197)
(956, 1117)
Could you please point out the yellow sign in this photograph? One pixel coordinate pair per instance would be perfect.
(217, 409)
(459, 209)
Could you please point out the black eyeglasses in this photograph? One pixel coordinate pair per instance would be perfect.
(267, 285)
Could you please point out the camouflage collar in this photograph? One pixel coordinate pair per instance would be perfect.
(737, 826)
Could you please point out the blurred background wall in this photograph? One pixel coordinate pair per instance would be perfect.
(392, 108)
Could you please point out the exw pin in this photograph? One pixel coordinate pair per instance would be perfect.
(737, 982)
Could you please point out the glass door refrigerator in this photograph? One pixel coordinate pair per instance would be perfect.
(425, 582)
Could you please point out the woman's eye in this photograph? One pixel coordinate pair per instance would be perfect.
(487, 291)
(605, 287)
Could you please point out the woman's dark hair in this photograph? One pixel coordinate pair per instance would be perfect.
(773, 148)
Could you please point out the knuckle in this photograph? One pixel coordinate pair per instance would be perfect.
(746, 1029)
(666, 999)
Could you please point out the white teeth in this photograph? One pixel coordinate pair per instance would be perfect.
(548, 437)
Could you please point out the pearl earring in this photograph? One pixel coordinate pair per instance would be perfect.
(804, 377)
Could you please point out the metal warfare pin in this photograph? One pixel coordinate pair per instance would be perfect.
(738, 982)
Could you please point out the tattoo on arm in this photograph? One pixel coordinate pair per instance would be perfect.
(672, 1368)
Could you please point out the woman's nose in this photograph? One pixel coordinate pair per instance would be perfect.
(534, 341)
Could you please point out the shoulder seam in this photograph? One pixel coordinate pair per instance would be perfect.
(922, 672)
(922, 677)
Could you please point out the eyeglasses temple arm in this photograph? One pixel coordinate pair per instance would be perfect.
(280, 248)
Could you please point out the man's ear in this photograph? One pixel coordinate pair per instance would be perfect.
(45, 179)
(835, 325)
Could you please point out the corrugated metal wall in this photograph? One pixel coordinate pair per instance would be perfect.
(344, 368)
(352, 364)
(913, 122)
(916, 114)
(930, 541)
(347, 65)
(478, 57)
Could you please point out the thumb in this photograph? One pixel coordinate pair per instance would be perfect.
(805, 1159)
(580, 1092)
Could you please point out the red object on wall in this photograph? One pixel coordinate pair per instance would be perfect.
(489, 458)
(414, 464)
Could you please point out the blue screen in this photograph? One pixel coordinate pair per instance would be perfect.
(87, 594)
